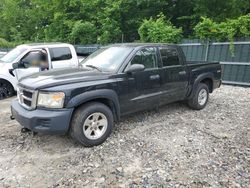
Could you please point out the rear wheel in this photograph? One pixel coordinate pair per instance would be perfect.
(6, 89)
(200, 98)
(92, 124)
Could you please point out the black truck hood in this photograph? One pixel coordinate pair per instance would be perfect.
(60, 77)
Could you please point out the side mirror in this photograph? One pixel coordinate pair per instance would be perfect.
(15, 65)
(135, 68)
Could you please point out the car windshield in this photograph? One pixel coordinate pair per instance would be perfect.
(107, 59)
(13, 54)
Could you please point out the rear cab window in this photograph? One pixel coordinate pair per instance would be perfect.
(169, 56)
(60, 53)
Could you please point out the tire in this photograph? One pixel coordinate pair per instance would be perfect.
(92, 124)
(200, 98)
(6, 89)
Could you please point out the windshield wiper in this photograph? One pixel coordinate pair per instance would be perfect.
(94, 67)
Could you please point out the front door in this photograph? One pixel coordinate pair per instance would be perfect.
(144, 85)
(33, 62)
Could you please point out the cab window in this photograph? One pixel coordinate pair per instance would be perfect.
(60, 54)
(169, 57)
(33, 59)
(146, 57)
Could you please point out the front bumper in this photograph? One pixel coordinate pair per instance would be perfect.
(43, 121)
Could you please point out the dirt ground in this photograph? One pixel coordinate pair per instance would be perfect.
(175, 147)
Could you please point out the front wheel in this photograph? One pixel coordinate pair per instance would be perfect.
(200, 98)
(92, 124)
(6, 90)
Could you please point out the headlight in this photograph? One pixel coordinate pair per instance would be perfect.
(51, 99)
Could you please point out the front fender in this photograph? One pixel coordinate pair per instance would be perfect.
(10, 79)
(96, 94)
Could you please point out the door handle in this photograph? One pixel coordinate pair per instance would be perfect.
(182, 73)
(155, 77)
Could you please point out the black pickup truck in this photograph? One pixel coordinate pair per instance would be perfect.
(114, 81)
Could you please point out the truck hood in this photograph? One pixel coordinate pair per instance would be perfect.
(60, 77)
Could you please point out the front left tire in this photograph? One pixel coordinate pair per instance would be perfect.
(92, 124)
(6, 89)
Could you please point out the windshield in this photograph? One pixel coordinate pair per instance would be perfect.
(13, 54)
(107, 59)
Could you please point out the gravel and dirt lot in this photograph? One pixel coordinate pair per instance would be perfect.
(175, 147)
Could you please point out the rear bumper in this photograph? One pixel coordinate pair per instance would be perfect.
(43, 121)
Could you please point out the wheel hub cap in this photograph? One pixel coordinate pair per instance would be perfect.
(95, 126)
(202, 97)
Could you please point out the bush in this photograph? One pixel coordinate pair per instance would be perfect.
(5, 44)
(228, 30)
(159, 30)
(208, 29)
(83, 33)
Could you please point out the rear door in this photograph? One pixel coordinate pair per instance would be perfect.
(174, 77)
(146, 84)
(61, 57)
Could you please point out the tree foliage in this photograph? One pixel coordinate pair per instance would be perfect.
(105, 21)
(5, 44)
(83, 33)
(227, 30)
(159, 30)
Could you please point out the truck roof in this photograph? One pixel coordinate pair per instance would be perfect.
(44, 45)
(141, 44)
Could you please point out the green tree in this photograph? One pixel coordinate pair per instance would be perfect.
(228, 30)
(38, 20)
(159, 30)
(83, 33)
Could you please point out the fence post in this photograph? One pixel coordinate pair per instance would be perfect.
(207, 50)
(122, 37)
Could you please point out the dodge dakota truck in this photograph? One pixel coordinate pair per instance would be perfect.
(112, 82)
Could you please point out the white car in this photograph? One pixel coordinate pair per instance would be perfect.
(58, 55)
(2, 54)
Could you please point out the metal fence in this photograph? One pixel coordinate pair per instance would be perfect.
(86, 49)
(235, 63)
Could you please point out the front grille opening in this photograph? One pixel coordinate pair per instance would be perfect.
(27, 102)
(27, 94)
(27, 98)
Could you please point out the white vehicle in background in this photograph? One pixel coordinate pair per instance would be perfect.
(23, 58)
(2, 54)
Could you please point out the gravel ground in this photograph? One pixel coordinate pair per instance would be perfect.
(175, 147)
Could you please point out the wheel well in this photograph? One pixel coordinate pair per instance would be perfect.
(6, 81)
(106, 102)
(209, 83)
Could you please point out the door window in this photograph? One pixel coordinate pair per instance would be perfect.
(34, 59)
(169, 57)
(146, 57)
(60, 54)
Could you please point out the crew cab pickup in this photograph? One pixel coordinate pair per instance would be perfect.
(112, 82)
(57, 55)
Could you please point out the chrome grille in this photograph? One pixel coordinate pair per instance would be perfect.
(27, 98)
